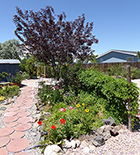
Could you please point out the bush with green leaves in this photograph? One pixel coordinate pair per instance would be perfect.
(25, 75)
(17, 78)
(30, 67)
(114, 92)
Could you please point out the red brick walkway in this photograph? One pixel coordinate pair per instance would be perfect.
(17, 121)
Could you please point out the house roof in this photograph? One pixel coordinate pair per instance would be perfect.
(9, 61)
(119, 51)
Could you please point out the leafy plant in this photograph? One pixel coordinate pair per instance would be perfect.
(17, 78)
(9, 91)
(30, 67)
(51, 94)
(3, 75)
(69, 122)
(115, 93)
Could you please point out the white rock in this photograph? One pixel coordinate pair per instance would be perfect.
(53, 150)
(73, 144)
(78, 143)
(67, 144)
(92, 147)
(84, 144)
(86, 150)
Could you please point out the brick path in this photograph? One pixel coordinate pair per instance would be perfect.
(16, 121)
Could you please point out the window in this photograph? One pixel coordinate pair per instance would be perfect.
(129, 59)
(101, 60)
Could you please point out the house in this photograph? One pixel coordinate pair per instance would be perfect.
(10, 66)
(118, 56)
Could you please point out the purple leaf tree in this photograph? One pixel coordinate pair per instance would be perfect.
(53, 40)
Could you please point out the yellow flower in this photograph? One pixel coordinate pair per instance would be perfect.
(83, 104)
(2, 98)
(78, 105)
(92, 117)
(66, 64)
(86, 110)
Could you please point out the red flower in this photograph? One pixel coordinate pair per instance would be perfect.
(53, 127)
(62, 121)
(39, 122)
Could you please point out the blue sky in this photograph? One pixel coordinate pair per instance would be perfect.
(116, 22)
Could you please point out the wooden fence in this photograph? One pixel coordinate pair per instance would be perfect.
(104, 66)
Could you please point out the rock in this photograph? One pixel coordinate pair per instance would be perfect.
(98, 141)
(73, 144)
(53, 150)
(78, 143)
(3, 108)
(92, 147)
(10, 100)
(114, 131)
(15, 97)
(34, 120)
(6, 102)
(109, 121)
(83, 144)
(104, 128)
(107, 131)
(46, 114)
(37, 116)
(86, 150)
(67, 144)
(106, 135)
(38, 136)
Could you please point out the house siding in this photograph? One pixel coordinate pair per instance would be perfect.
(9, 68)
(117, 55)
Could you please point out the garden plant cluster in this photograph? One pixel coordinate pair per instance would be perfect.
(11, 89)
(8, 91)
(79, 103)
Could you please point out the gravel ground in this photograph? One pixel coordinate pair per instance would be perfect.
(126, 143)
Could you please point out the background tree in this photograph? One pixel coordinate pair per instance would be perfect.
(10, 50)
(53, 40)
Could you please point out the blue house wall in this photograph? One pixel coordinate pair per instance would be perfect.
(120, 56)
(9, 68)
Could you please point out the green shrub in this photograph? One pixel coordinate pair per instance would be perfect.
(17, 78)
(30, 67)
(115, 92)
(135, 73)
(25, 75)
